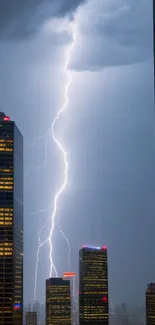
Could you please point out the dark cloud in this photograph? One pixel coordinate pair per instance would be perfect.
(19, 19)
(118, 33)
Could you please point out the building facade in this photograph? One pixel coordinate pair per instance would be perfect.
(31, 318)
(93, 286)
(150, 304)
(11, 223)
(58, 302)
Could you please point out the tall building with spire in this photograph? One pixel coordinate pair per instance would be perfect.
(93, 286)
(11, 223)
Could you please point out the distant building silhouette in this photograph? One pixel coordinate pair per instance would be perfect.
(58, 302)
(11, 223)
(31, 318)
(150, 304)
(93, 286)
(40, 310)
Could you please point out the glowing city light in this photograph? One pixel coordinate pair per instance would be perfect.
(104, 248)
(104, 299)
(91, 247)
(17, 306)
(69, 274)
(6, 118)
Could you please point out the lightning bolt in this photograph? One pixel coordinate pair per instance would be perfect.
(63, 152)
(63, 186)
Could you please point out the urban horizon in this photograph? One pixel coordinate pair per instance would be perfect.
(77, 162)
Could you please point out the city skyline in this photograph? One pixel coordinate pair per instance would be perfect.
(107, 131)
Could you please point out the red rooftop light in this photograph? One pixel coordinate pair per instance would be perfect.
(6, 118)
(69, 274)
(104, 248)
(104, 299)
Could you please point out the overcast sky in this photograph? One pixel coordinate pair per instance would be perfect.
(107, 130)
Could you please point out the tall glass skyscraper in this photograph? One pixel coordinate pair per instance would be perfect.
(58, 302)
(11, 223)
(150, 304)
(93, 286)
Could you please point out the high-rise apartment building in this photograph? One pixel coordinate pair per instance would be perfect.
(31, 318)
(93, 286)
(58, 302)
(150, 304)
(11, 223)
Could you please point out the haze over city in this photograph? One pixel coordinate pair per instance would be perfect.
(107, 131)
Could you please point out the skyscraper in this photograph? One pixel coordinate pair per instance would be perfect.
(58, 302)
(93, 286)
(150, 304)
(11, 223)
(31, 318)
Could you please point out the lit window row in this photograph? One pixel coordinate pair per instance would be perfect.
(4, 145)
(5, 254)
(4, 218)
(6, 209)
(6, 140)
(19, 296)
(6, 183)
(6, 149)
(5, 244)
(6, 187)
(8, 249)
(4, 214)
(6, 178)
(7, 223)
(4, 170)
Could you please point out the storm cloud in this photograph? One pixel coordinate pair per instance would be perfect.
(20, 19)
(114, 33)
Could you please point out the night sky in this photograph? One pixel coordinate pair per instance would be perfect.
(107, 130)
